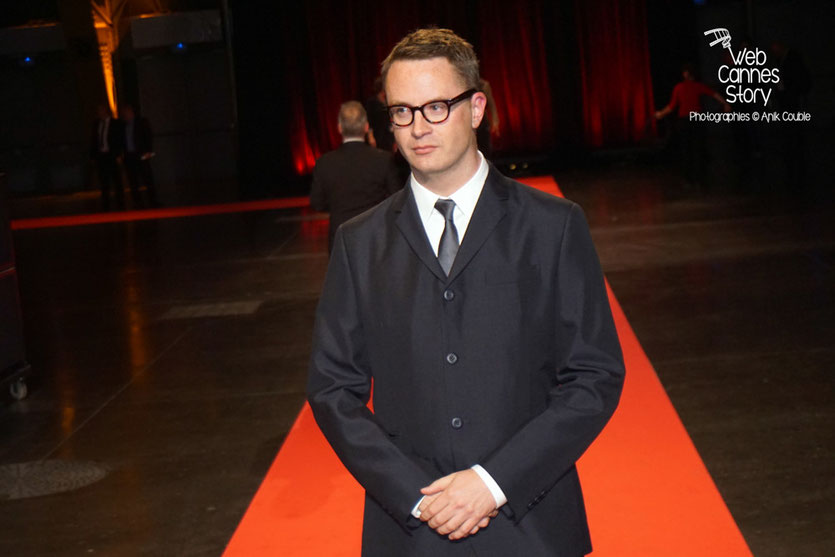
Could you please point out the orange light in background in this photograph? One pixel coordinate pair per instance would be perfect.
(108, 42)
(109, 17)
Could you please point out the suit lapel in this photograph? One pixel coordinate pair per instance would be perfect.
(489, 210)
(408, 221)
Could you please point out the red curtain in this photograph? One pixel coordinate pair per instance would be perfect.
(514, 60)
(332, 53)
(614, 71)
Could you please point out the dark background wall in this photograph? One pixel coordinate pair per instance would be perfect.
(42, 145)
(188, 96)
(570, 78)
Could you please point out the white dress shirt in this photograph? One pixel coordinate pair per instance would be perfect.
(465, 199)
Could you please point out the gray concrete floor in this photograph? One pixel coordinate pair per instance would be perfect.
(733, 299)
(172, 355)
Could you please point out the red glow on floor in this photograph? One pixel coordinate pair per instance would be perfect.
(162, 213)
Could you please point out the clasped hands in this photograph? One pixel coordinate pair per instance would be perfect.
(458, 505)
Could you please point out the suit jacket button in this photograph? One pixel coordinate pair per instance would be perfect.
(451, 358)
(449, 295)
(456, 423)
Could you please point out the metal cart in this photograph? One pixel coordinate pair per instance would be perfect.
(13, 365)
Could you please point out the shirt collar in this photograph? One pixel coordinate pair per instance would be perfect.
(465, 197)
(353, 139)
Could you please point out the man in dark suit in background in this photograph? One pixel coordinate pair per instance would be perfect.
(106, 144)
(378, 119)
(354, 177)
(139, 149)
(478, 308)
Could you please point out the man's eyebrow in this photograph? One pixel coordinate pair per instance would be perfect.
(402, 103)
(432, 100)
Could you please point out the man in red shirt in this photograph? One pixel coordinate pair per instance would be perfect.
(687, 98)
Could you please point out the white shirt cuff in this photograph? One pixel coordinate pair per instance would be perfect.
(415, 510)
(494, 488)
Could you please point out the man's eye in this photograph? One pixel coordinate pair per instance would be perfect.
(436, 108)
(399, 110)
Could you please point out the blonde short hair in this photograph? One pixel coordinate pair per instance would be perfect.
(424, 44)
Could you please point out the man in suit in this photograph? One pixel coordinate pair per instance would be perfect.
(380, 135)
(138, 142)
(477, 307)
(354, 177)
(106, 141)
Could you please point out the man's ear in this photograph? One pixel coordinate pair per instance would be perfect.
(478, 103)
(339, 128)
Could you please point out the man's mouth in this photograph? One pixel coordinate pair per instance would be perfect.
(423, 149)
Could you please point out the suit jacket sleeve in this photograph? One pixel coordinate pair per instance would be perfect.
(589, 380)
(339, 387)
(318, 193)
(116, 137)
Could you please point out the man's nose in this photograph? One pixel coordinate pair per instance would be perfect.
(420, 126)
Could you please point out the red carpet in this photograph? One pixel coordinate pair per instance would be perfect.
(647, 491)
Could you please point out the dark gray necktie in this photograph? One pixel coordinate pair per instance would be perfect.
(449, 239)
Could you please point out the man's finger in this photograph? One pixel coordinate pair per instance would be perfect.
(423, 508)
(440, 517)
(437, 486)
(483, 523)
(463, 529)
(454, 525)
(439, 511)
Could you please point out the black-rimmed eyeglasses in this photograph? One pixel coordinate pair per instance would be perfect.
(433, 112)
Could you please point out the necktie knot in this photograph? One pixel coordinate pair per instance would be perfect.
(448, 247)
(446, 208)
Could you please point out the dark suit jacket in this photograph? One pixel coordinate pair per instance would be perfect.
(142, 137)
(115, 139)
(352, 179)
(511, 362)
(796, 82)
(378, 120)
